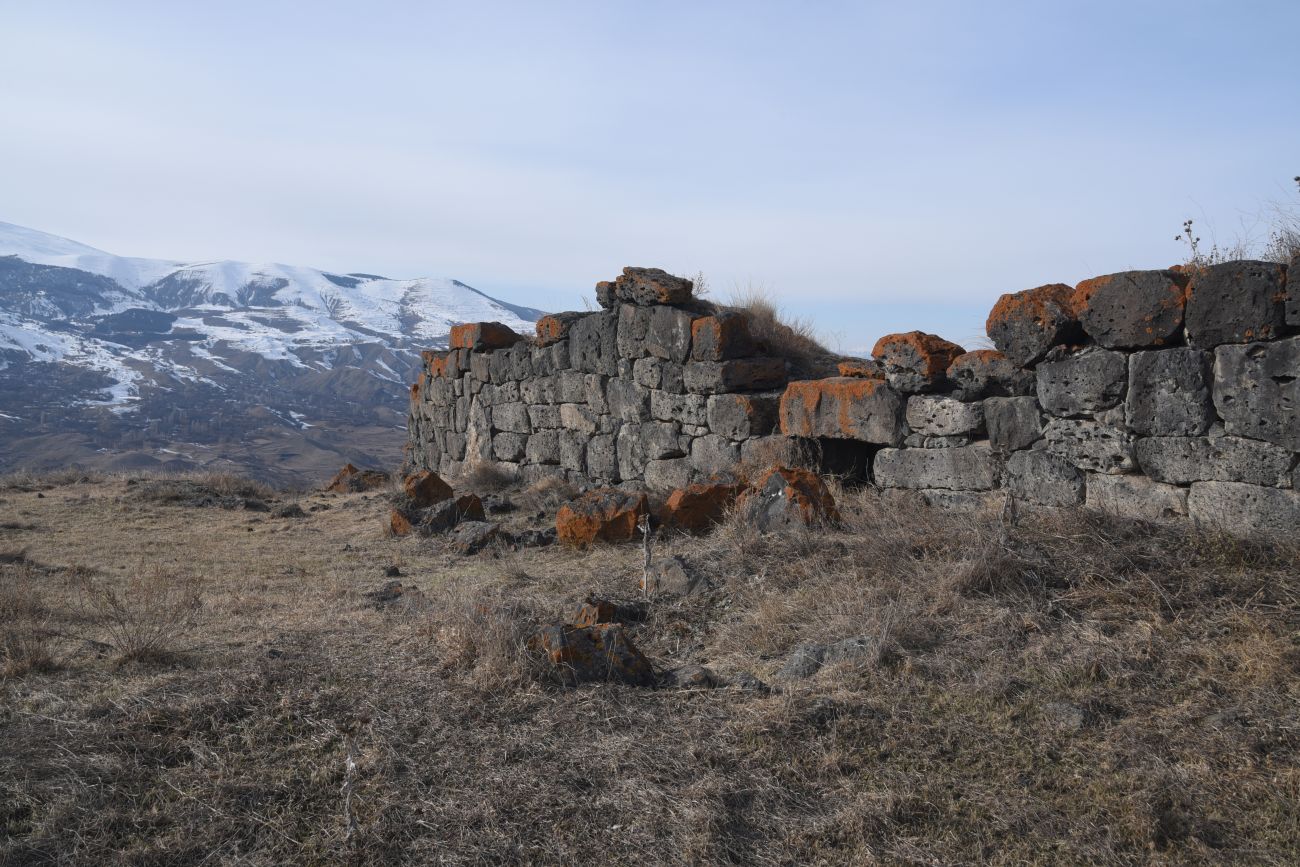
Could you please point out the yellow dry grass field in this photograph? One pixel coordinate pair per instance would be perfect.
(185, 683)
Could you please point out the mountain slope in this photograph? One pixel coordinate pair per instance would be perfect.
(275, 369)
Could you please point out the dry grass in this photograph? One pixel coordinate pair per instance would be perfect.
(1062, 689)
(776, 333)
(147, 616)
(487, 478)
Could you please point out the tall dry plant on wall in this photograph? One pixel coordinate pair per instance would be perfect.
(148, 617)
(1281, 245)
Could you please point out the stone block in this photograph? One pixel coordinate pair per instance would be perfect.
(1013, 423)
(714, 455)
(644, 287)
(511, 417)
(573, 450)
(509, 446)
(602, 458)
(1040, 477)
(1132, 309)
(544, 416)
(915, 361)
(1293, 291)
(1135, 497)
(660, 439)
(1179, 460)
(554, 327)
(570, 387)
(668, 475)
(538, 390)
(482, 336)
(593, 344)
(685, 408)
(1169, 393)
(596, 401)
(920, 441)
(739, 374)
(1025, 325)
(628, 401)
(576, 417)
(631, 455)
(861, 368)
(478, 366)
(1235, 302)
(1090, 445)
(972, 468)
(843, 408)
(543, 448)
(1083, 383)
(633, 322)
(740, 416)
(668, 334)
(1257, 390)
(933, 416)
(720, 337)
(988, 373)
(1246, 510)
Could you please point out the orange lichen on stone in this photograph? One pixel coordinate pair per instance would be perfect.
(424, 488)
(482, 335)
(860, 368)
(608, 515)
(696, 508)
(787, 496)
(842, 407)
(596, 611)
(398, 523)
(1132, 309)
(928, 354)
(594, 653)
(721, 336)
(352, 480)
(1024, 325)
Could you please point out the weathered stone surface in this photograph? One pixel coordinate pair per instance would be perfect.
(843, 408)
(803, 662)
(713, 455)
(1169, 393)
(573, 450)
(593, 344)
(594, 654)
(1257, 390)
(988, 373)
(1180, 460)
(1083, 383)
(577, 417)
(739, 374)
(740, 416)
(424, 488)
(1235, 302)
(862, 368)
(933, 416)
(1135, 497)
(939, 498)
(696, 508)
(720, 337)
(1245, 509)
(668, 474)
(1293, 291)
(1041, 477)
(482, 336)
(511, 417)
(352, 480)
(668, 334)
(644, 287)
(785, 498)
(608, 514)
(602, 457)
(628, 401)
(544, 416)
(661, 439)
(631, 454)
(1132, 309)
(673, 576)
(685, 408)
(1013, 423)
(915, 361)
(1090, 445)
(971, 468)
(1025, 325)
(543, 448)
(554, 327)
(920, 441)
(509, 446)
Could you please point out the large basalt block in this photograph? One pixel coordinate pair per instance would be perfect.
(482, 336)
(1083, 383)
(628, 444)
(593, 346)
(933, 416)
(1169, 393)
(661, 439)
(741, 416)
(573, 450)
(739, 374)
(668, 475)
(713, 455)
(543, 448)
(1135, 497)
(685, 408)
(1133, 309)
(988, 373)
(554, 327)
(843, 408)
(1013, 423)
(1091, 445)
(602, 458)
(668, 334)
(628, 401)
(644, 287)
(1235, 302)
(511, 417)
(1257, 390)
(1244, 509)
(1179, 460)
(1040, 477)
(1025, 325)
(510, 447)
(633, 323)
(915, 361)
(972, 468)
(722, 336)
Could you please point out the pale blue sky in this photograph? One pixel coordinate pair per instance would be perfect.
(877, 166)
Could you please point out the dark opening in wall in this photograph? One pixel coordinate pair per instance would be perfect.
(848, 459)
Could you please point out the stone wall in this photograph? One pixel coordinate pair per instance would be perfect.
(1152, 394)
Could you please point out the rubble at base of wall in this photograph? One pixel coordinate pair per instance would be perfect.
(1159, 395)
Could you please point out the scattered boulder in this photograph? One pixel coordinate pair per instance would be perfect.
(593, 654)
(1025, 325)
(470, 537)
(697, 508)
(481, 336)
(288, 510)
(786, 498)
(692, 677)
(351, 480)
(803, 662)
(671, 576)
(916, 361)
(598, 610)
(1235, 302)
(607, 515)
(644, 287)
(424, 488)
(1133, 309)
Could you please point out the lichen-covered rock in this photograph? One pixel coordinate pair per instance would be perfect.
(970, 468)
(862, 368)
(608, 515)
(1132, 309)
(482, 336)
(915, 361)
(424, 488)
(1245, 509)
(988, 373)
(1041, 477)
(1235, 302)
(351, 480)
(554, 327)
(644, 287)
(1083, 383)
(1135, 497)
(1257, 390)
(720, 337)
(843, 408)
(737, 374)
(785, 498)
(1169, 393)
(1179, 460)
(741, 416)
(1091, 445)
(1013, 423)
(933, 416)
(696, 508)
(594, 654)
(1025, 325)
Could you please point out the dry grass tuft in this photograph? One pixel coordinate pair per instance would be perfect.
(146, 617)
(26, 643)
(775, 333)
(486, 478)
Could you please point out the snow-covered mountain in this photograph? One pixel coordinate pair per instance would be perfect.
(130, 354)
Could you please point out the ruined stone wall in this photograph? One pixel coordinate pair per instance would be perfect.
(1152, 394)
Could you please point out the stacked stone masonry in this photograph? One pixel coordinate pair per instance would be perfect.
(1151, 394)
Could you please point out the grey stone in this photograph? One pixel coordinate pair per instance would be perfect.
(521, 362)
(803, 662)
(544, 416)
(1293, 291)
(857, 649)
(933, 416)
(938, 498)
(1013, 423)
(659, 440)
(714, 455)
(685, 408)
(511, 417)
(1133, 309)
(1136, 497)
(478, 434)
(740, 416)
(737, 374)
(843, 408)
(988, 373)
(1025, 325)
(498, 366)
(1247, 510)
(629, 402)
(570, 387)
(668, 335)
(672, 576)
(631, 456)
(1180, 460)
(644, 287)
(596, 401)
(1090, 445)
(657, 373)
(576, 417)
(538, 390)
(973, 468)
(1041, 477)
(633, 322)
(1235, 302)
(593, 344)
(918, 441)
(1169, 393)
(543, 448)
(573, 450)
(1257, 390)
(602, 458)
(668, 475)
(509, 446)
(1082, 383)
(478, 366)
